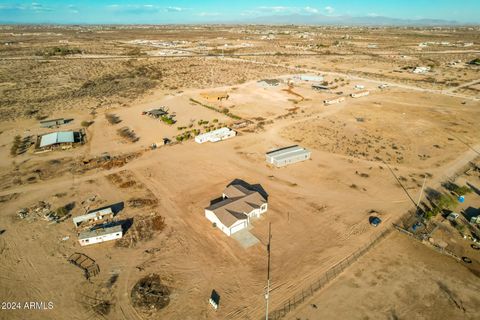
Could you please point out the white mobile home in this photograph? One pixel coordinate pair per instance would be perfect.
(360, 94)
(421, 70)
(310, 78)
(334, 101)
(216, 135)
(285, 156)
(99, 235)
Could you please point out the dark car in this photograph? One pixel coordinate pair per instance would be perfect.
(375, 221)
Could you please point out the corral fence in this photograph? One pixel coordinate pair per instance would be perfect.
(328, 276)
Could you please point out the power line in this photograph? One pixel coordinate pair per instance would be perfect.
(267, 294)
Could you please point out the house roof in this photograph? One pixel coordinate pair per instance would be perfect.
(156, 112)
(236, 190)
(57, 137)
(238, 203)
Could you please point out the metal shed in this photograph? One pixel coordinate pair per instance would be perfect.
(285, 156)
(57, 137)
(52, 122)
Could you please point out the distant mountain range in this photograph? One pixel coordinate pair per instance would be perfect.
(305, 19)
(319, 19)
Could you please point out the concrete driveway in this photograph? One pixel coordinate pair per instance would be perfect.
(245, 238)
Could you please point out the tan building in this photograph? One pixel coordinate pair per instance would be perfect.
(214, 96)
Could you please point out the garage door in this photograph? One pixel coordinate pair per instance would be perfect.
(238, 228)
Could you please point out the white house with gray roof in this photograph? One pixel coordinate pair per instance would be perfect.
(237, 207)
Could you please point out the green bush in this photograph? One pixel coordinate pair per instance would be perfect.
(61, 212)
(86, 123)
(168, 120)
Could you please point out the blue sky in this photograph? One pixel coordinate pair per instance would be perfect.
(210, 11)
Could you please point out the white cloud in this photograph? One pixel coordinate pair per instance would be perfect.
(311, 10)
(329, 9)
(278, 9)
(208, 14)
(289, 10)
(175, 9)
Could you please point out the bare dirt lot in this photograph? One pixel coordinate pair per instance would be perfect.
(319, 209)
(399, 279)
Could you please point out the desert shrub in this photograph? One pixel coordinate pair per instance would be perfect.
(128, 134)
(475, 61)
(112, 119)
(86, 123)
(460, 190)
(58, 51)
(445, 202)
(16, 144)
(61, 212)
(167, 120)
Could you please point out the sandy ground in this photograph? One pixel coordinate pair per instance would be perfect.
(399, 279)
(319, 208)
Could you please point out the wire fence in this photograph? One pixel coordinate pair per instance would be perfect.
(402, 225)
(327, 277)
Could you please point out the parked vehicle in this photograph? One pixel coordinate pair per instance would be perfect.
(375, 221)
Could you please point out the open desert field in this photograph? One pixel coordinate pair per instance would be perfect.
(398, 279)
(370, 155)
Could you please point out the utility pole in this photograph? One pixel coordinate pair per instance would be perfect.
(421, 192)
(267, 294)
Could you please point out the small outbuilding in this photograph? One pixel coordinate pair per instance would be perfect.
(216, 135)
(56, 138)
(310, 78)
(360, 94)
(93, 216)
(320, 87)
(50, 123)
(421, 70)
(100, 234)
(215, 96)
(334, 100)
(155, 113)
(60, 140)
(269, 83)
(285, 156)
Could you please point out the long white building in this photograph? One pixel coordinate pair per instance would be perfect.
(334, 100)
(99, 235)
(216, 135)
(285, 156)
(360, 94)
